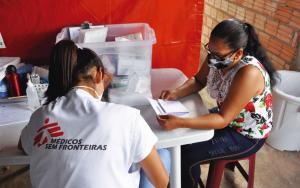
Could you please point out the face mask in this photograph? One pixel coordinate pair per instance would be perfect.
(218, 64)
(99, 96)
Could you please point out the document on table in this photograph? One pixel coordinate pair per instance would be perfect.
(164, 107)
(14, 113)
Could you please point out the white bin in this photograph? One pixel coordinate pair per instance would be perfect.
(285, 134)
(130, 61)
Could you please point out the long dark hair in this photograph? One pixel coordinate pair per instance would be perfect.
(236, 35)
(86, 59)
(69, 64)
(63, 59)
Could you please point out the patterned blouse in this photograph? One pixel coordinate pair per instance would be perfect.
(255, 119)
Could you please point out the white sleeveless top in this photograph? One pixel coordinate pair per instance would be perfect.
(255, 119)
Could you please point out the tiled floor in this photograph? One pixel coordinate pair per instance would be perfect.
(274, 169)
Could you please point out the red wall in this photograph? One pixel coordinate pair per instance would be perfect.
(29, 27)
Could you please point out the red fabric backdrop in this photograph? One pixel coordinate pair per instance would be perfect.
(29, 27)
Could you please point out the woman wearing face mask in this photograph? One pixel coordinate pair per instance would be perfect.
(76, 140)
(239, 75)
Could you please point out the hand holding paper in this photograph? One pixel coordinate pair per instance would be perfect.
(170, 122)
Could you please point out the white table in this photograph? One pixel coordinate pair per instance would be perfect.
(164, 79)
(13, 117)
(161, 79)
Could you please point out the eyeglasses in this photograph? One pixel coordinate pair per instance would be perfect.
(217, 57)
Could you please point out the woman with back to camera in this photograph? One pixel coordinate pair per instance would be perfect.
(76, 140)
(239, 75)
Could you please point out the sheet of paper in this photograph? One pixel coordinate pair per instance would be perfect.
(172, 107)
(74, 33)
(63, 34)
(92, 35)
(14, 113)
(162, 107)
(155, 106)
(130, 37)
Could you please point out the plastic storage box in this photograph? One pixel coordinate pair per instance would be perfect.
(129, 61)
(285, 134)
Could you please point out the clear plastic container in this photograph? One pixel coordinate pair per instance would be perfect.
(285, 134)
(126, 58)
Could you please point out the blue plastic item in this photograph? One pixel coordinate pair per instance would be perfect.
(3, 89)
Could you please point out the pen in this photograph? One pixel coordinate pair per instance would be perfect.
(161, 107)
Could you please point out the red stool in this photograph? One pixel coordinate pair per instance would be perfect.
(216, 169)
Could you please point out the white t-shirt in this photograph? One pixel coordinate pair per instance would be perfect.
(79, 141)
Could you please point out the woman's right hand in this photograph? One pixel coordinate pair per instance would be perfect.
(168, 95)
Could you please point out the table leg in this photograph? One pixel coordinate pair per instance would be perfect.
(175, 177)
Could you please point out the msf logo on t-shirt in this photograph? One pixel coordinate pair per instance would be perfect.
(48, 129)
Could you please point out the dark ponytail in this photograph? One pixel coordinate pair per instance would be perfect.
(254, 48)
(63, 59)
(236, 35)
(86, 59)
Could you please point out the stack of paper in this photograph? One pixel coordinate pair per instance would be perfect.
(163, 107)
(130, 37)
(92, 35)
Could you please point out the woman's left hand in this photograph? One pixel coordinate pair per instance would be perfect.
(169, 122)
